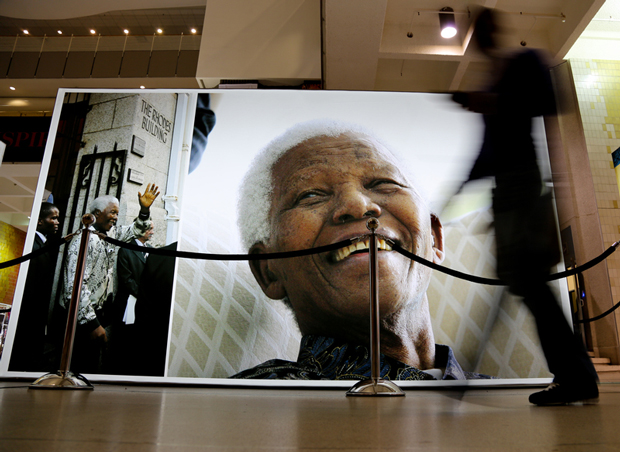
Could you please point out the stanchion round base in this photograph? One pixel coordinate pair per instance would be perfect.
(375, 388)
(61, 380)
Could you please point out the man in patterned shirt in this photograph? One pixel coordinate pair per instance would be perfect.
(98, 286)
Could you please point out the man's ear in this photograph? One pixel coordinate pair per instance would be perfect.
(266, 279)
(437, 232)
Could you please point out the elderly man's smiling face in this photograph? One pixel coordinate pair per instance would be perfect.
(324, 191)
(106, 219)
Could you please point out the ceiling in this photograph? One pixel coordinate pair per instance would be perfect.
(18, 183)
(384, 45)
(113, 23)
(395, 45)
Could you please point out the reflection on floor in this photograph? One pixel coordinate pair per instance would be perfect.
(148, 418)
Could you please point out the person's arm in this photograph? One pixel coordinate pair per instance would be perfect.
(203, 125)
(525, 89)
(478, 102)
(146, 200)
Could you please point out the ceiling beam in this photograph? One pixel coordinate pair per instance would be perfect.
(562, 35)
(67, 9)
(14, 207)
(21, 185)
(353, 31)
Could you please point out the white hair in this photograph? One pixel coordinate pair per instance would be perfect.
(101, 203)
(256, 189)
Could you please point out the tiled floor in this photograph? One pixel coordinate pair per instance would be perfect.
(147, 418)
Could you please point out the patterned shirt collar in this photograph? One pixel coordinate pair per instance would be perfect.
(339, 360)
(325, 358)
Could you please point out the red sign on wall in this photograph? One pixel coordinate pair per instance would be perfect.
(25, 138)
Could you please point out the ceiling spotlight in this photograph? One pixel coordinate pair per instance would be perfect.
(447, 23)
(193, 30)
(92, 32)
(26, 32)
(12, 88)
(160, 31)
(142, 86)
(126, 31)
(59, 32)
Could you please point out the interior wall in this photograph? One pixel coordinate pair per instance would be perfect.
(573, 178)
(11, 247)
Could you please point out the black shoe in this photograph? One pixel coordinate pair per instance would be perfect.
(563, 394)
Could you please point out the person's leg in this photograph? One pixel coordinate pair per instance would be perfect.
(575, 378)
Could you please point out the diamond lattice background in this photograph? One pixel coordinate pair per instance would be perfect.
(222, 322)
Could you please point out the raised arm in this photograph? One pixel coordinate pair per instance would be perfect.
(147, 199)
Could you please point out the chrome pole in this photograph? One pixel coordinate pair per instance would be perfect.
(375, 340)
(64, 378)
(375, 386)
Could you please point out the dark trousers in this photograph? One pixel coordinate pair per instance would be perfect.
(564, 351)
(527, 247)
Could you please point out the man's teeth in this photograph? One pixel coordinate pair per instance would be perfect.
(343, 253)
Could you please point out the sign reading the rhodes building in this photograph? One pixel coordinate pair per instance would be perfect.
(154, 122)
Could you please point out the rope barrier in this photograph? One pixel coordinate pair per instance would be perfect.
(229, 257)
(446, 270)
(587, 265)
(310, 251)
(600, 316)
(288, 254)
(499, 282)
(53, 245)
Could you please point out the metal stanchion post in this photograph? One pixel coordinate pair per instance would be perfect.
(64, 378)
(375, 386)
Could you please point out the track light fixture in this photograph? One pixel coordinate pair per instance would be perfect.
(447, 22)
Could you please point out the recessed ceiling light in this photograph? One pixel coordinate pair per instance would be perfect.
(159, 30)
(12, 88)
(92, 32)
(59, 32)
(126, 31)
(447, 22)
(193, 30)
(26, 32)
(142, 86)
(448, 32)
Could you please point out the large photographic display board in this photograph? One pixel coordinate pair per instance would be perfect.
(204, 321)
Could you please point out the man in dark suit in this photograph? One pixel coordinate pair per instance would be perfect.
(153, 314)
(142, 346)
(28, 346)
(129, 267)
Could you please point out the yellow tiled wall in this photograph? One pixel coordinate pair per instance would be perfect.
(597, 83)
(11, 246)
